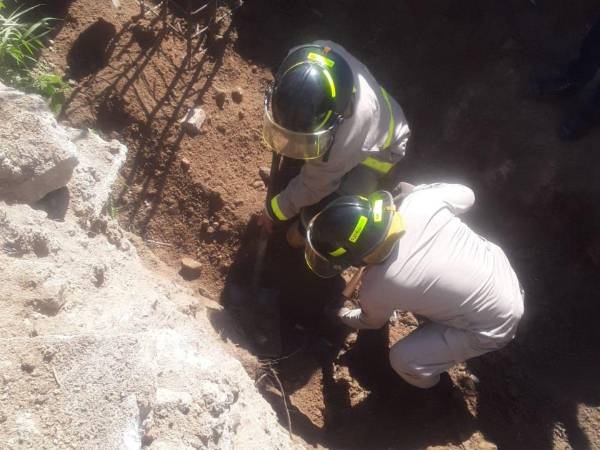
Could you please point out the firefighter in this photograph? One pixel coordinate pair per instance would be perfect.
(326, 108)
(421, 258)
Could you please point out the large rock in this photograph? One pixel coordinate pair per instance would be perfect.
(99, 352)
(36, 154)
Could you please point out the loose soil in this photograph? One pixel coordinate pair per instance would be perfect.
(460, 70)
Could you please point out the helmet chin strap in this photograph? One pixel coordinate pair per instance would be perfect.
(383, 250)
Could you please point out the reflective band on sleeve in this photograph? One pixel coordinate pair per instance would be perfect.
(276, 209)
(392, 125)
(321, 59)
(339, 252)
(379, 166)
(358, 229)
(331, 83)
(378, 210)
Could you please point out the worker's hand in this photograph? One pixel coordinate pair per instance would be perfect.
(266, 222)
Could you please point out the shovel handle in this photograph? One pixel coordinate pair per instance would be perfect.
(351, 286)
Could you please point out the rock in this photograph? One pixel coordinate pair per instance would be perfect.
(99, 165)
(193, 120)
(220, 97)
(28, 366)
(36, 154)
(237, 95)
(185, 164)
(257, 184)
(210, 230)
(241, 115)
(221, 129)
(190, 268)
(265, 174)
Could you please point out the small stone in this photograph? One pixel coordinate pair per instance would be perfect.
(225, 228)
(238, 202)
(193, 120)
(257, 184)
(185, 164)
(237, 95)
(205, 223)
(241, 115)
(221, 129)
(190, 268)
(220, 97)
(254, 69)
(265, 174)
(2, 418)
(216, 225)
(210, 230)
(28, 366)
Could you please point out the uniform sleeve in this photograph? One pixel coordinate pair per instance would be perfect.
(458, 197)
(316, 180)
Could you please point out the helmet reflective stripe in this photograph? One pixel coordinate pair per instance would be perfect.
(320, 59)
(330, 81)
(327, 116)
(358, 229)
(338, 252)
(378, 210)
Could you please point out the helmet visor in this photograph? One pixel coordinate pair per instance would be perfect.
(319, 265)
(294, 144)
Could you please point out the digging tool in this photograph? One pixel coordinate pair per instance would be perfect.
(266, 300)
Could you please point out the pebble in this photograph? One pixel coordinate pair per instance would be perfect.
(191, 265)
(220, 96)
(237, 95)
(193, 120)
(221, 129)
(257, 184)
(185, 164)
(241, 115)
(264, 173)
(28, 366)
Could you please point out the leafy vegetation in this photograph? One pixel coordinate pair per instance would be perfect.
(21, 42)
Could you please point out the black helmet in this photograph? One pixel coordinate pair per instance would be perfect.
(311, 92)
(346, 231)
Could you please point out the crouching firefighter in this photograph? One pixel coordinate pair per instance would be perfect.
(420, 258)
(326, 108)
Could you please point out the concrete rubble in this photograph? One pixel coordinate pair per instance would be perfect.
(96, 350)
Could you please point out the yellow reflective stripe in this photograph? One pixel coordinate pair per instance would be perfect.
(276, 209)
(327, 116)
(331, 83)
(339, 252)
(321, 59)
(392, 125)
(358, 229)
(378, 211)
(379, 166)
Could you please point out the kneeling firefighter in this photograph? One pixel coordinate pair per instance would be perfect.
(420, 257)
(326, 108)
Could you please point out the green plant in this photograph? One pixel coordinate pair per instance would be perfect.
(52, 87)
(20, 40)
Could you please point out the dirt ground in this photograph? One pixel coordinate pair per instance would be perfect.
(460, 70)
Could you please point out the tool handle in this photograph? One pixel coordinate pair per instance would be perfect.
(351, 286)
